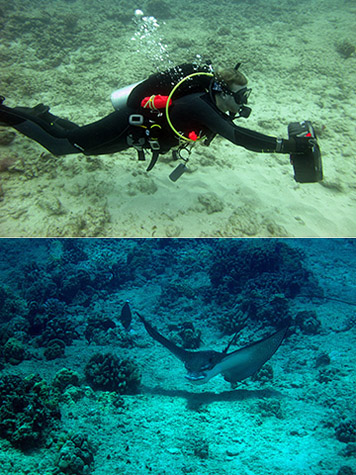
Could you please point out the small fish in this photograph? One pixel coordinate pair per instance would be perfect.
(126, 316)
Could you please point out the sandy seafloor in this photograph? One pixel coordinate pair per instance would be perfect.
(72, 54)
(171, 427)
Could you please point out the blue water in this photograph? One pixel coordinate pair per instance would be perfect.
(107, 389)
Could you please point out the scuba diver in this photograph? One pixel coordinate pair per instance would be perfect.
(171, 110)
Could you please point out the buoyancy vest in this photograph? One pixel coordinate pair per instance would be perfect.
(148, 100)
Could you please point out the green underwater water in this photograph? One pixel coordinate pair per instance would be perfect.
(71, 55)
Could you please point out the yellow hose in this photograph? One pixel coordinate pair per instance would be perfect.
(170, 97)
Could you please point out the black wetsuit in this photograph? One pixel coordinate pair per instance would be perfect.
(193, 109)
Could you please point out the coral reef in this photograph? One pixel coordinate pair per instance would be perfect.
(109, 373)
(14, 351)
(270, 265)
(173, 290)
(61, 328)
(273, 308)
(346, 431)
(50, 321)
(231, 320)
(64, 378)
(54, 307)
(259, 277)
(11, 305)
(199, 446)
(328, 375)
(98, 325)
(76, 456)
(210, 203)
(17, 327)
(345, 49)
(72, 283)
(265, 374)
(102, 330)
(54, 349)
(38, 286)
(73, 251)
(144, 261)
(40, 314)
(186, 335)
(28, 411)
(345, 470)
(349, 450)
(322, 360)
(308, 322)
(270, 408)
(7, 137)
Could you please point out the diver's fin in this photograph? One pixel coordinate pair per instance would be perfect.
(39, 114)
(7, 115)
(39, 124)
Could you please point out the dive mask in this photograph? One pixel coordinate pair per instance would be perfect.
(241, 96)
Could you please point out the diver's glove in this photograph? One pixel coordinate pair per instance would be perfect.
(297, 145)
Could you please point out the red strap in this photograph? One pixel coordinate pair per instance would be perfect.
(155, 102)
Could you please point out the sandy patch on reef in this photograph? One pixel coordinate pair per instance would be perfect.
(295, 71)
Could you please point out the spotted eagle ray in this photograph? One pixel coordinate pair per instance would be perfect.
(201, 366)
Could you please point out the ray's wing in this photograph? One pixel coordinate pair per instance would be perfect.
(242, 363)
(180, 353)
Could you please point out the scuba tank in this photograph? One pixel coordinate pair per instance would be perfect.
(120, 96)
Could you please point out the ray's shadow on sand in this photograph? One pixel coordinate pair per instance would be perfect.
(196, 400)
